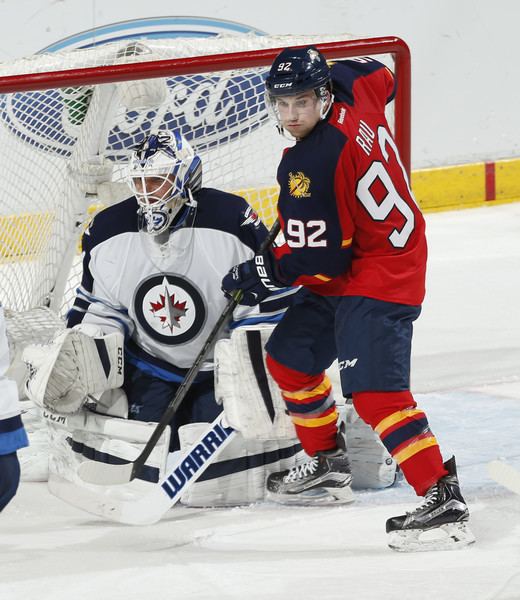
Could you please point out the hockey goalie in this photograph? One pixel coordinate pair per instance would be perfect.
(150, 294)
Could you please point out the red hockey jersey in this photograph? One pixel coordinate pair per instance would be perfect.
(351, 224)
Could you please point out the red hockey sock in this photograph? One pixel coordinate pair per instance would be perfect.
(406, 434)
(310, 404)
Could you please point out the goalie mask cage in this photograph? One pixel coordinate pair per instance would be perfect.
(69, 120)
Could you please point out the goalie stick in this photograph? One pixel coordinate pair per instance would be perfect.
(109, 474)
(505, 475)
(151, 506)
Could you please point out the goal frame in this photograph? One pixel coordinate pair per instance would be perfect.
(235, 60)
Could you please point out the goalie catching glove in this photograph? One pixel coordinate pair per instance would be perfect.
(77, 363)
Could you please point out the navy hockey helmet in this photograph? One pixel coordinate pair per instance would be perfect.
(297, 70)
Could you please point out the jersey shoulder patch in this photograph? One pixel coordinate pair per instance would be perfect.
(229, 213)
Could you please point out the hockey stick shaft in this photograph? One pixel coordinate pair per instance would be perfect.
(505, 474)
(128, 472)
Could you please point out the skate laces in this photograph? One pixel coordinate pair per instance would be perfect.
(308, 468)
(431, 497)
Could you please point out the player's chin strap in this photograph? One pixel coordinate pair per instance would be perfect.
(109, 474)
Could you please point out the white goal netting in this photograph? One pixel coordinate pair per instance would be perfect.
(63, 150)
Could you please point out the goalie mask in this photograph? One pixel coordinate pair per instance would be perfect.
(164, 173)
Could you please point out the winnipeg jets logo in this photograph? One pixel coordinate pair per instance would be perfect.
(250, 218)
(156, 220)
(169, 308)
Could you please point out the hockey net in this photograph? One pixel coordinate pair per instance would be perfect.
(69, 120)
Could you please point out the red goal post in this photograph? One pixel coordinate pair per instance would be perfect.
(53, 183)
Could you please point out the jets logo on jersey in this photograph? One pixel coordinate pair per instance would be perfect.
(250, 218)
(168, 311)
(299, 185)
(169, 308)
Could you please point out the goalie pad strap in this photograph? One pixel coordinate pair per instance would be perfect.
(87, 450)
(254, 345)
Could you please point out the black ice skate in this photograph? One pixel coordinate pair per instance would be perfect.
(439, 523)
(325, 479)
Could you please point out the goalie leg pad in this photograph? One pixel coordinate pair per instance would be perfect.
(63, 373)
(99, 437)
(34, 459)
(113, 403)
(252, 401)
(239, 473)
(371, 464)
(74, 438)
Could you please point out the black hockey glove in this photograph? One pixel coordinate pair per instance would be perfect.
(254, 277)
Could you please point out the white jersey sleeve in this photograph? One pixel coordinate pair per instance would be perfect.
(12, 432)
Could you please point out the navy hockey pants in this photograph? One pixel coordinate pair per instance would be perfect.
(370, 338)
(149, 396)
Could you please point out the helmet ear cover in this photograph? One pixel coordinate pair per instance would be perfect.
(321, 92)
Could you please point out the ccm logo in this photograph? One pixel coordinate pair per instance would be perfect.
(120, 361)
(345, 364)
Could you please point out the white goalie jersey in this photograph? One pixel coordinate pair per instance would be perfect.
(166, 298)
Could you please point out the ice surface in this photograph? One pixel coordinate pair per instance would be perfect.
(466, 375)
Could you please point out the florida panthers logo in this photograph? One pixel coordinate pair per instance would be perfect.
(169, 308)
(299, 185)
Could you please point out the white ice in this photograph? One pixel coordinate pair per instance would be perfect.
(466, 375)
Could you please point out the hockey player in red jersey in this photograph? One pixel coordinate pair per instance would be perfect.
(355, 240)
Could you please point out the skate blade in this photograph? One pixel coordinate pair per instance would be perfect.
(451, 536)
(315, 497)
